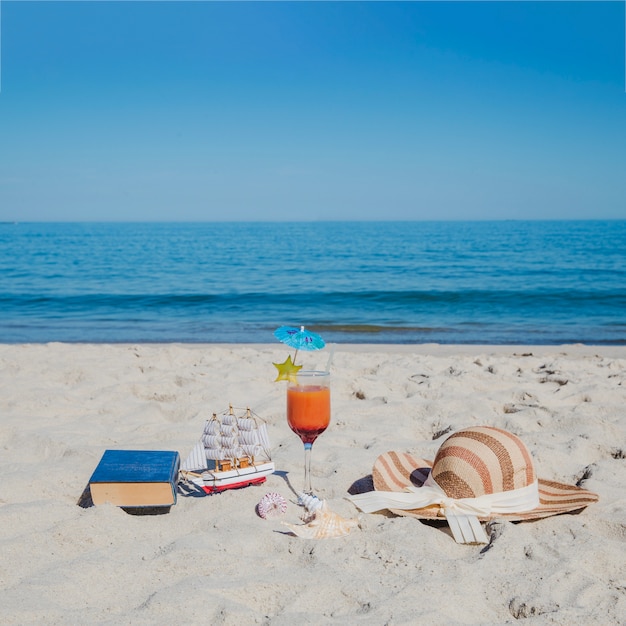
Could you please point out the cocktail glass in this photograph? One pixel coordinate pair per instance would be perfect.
(308, 412)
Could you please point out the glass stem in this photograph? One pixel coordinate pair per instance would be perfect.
(307, 468)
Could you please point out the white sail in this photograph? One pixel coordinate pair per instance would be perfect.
(252, 450)
(212, 441)
(264, 440)
(196, 459)
(215, 454)
(229, 419)
(249, 437)
(231, 453)
(228, 442)
(246, 424)
(229, 430)
(212, 427)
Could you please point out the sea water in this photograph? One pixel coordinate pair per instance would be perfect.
(500, 282)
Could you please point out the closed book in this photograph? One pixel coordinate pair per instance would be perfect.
(136, 478)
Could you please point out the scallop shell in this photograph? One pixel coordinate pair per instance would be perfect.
(271, 505)
(325, 524)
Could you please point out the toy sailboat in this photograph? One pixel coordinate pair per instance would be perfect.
(233, 452)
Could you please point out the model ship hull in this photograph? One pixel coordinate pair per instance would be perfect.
(213, 481)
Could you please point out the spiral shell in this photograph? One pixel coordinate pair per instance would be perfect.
(312, 504)
(271, 505)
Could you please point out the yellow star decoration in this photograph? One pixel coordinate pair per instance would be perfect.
(287, 370)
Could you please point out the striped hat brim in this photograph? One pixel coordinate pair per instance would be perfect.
(394, 471)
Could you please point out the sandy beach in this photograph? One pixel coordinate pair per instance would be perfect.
(212, 560)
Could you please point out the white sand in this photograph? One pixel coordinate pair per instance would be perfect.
(211, 560)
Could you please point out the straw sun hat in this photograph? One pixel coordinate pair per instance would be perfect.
(479, 474)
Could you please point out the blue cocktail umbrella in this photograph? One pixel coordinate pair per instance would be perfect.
(299, 338)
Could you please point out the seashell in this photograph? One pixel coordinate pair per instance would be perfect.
(311, 505)
(325, 524)
(271, 505)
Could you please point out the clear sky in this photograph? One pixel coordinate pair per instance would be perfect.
(312, 110)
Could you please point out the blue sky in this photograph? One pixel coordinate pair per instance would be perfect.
(312, 110)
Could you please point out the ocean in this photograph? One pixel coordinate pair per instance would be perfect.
(491, 282)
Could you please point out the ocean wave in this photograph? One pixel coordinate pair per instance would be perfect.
(488, 283)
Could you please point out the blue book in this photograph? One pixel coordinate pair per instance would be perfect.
(136, 478)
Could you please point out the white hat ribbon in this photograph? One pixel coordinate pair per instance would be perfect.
(462, 514)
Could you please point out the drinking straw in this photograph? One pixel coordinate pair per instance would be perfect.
(330, 357)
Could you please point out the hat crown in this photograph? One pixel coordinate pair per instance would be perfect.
(482, 460)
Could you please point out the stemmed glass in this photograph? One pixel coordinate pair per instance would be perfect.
(308, 412)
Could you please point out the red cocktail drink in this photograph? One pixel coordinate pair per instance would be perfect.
(308, 412)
